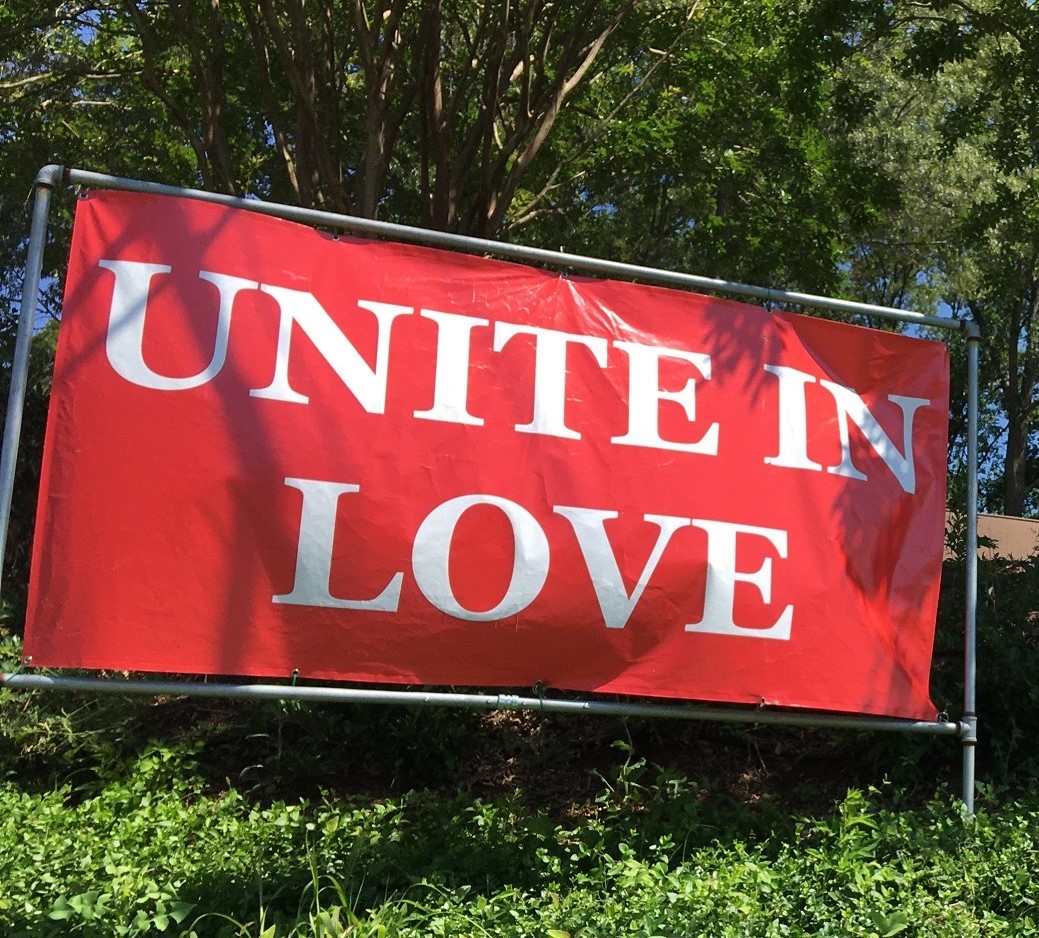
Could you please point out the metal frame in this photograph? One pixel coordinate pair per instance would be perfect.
(50, 177)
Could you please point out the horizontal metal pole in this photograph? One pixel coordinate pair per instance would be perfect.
(31, 682)
(515, 252)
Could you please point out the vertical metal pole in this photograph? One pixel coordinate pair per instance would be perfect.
(47, 178)
(969, 725)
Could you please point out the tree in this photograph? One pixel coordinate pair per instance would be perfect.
(434, 110)
(734, 162)
(955, 130)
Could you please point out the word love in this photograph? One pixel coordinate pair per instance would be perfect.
(302, 314)
(532, 561)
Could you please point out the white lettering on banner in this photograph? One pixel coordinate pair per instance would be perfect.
(549, 373)
(431, 550)
(793, 420)
(849, 404)
(433, 546)
(601, 561)
(722, 577)
(451, 385)
(793, 428)
(124, 343)
(645, 395)
(314, 552)
(368, 383)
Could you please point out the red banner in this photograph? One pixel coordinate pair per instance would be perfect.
(273, 450)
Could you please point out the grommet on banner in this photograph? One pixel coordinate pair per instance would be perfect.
(82, 192)
(293, 677)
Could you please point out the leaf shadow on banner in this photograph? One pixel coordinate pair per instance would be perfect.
(732, 334)
(176, 236)
(892, 540)
(886, 554)
(898, 573)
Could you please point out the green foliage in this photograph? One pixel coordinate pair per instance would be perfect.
(158, 853)
(1008, 652)
(732, 162)
(886, 150)
(30, 454)
(951, 125)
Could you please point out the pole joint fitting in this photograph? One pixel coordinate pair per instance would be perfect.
(50, 175)
(971, 330)
(509, 702)
(969, 729)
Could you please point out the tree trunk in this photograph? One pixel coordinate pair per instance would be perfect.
(1015, 467)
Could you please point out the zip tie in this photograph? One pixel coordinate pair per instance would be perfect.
(539, 692)
(294, 677)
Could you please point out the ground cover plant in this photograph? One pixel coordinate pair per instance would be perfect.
(152, 848)
(211, 818)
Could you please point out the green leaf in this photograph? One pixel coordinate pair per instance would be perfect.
(889, 925)
(61, 910)
(180, 910)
